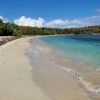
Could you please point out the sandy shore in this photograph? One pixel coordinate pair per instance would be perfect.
(5, 39)
(16, 73)
(37, 79)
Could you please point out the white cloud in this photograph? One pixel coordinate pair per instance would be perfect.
(4, 19)
(40, 22)
(94, 20)
(23, 21)
(98, 11)
(63, 23)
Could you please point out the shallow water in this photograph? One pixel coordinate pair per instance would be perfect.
(52, 80)
(78, 52)
(85, 48)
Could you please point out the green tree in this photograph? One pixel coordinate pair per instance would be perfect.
(1, 22)
(16, 33)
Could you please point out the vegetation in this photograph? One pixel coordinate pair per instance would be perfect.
(10, 29)
(1, 22)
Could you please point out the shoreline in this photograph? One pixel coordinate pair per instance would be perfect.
(15, 71)
(13, 49)
(39, 54)
(89, 87)
(17, 81)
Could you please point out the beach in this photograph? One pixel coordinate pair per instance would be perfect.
(29, 74)
(5, 39)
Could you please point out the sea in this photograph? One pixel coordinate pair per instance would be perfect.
(80, 53)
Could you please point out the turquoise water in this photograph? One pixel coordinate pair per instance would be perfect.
(85, 48)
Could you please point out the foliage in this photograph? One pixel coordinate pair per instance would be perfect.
(1, 22)
(16, 33)
(6, 29)
(9, 29)
(14, 30)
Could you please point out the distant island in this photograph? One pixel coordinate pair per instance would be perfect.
(10, 29)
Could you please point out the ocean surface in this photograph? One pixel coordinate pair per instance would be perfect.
(78, 52)
(85, 48)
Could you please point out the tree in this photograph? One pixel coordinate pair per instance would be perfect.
(6, 29)
(16, 33)
(1, 22)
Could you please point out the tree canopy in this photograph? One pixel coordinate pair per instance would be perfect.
(14, 30)
(1, 22)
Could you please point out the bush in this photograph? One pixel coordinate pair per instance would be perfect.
(8, 29)
(16, 33)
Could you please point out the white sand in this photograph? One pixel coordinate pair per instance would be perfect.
(15, 73)
(18, 81)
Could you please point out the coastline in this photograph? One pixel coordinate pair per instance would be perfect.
(52, 79)
(89, 88)
(16, 71)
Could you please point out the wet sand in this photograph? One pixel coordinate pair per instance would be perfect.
(91, 88)
(55, 82)
(38, 78)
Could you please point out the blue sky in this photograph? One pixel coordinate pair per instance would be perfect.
(50, 10)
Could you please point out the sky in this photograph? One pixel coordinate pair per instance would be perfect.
(51, 13)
